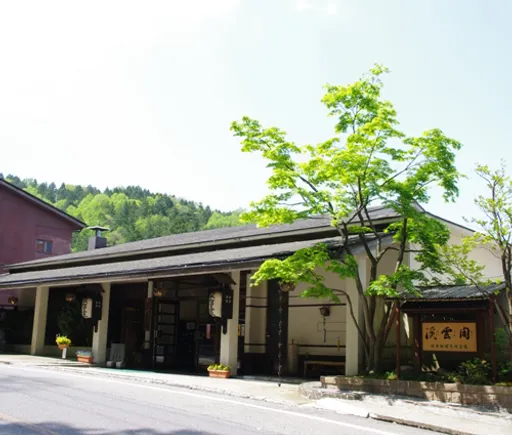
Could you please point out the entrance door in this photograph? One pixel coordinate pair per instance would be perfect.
(165, 333)
(277, 311)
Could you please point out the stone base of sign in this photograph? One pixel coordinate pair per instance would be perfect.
(487, 395)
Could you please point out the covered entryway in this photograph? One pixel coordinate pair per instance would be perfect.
(183, 335)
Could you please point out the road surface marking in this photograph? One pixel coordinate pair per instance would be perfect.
(31, 426)
(219, 399)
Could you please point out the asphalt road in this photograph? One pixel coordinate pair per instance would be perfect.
(38, 401)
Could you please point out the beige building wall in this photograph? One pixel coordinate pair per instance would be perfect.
(255, 318)
(306, 325)
(481, 254)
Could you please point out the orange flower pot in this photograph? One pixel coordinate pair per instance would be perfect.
(219, 373)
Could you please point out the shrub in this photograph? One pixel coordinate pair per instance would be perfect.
(501, 340)
(391, 376)
(475, 371)
(453, 377)
(63, 340)
(220, 367)
(505, 371)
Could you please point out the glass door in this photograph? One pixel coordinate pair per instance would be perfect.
(165, 334)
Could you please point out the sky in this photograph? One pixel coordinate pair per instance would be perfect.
(113, 93)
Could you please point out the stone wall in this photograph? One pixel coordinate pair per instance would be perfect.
(451, 393)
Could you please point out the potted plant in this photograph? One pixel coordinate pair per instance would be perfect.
(219, 371)
(63, 342)
(84, 356)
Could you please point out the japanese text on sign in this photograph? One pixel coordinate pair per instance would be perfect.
(449, 337)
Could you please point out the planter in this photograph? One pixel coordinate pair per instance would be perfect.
(63, 346)
(85, 359)
(219, 373)
(472, 395)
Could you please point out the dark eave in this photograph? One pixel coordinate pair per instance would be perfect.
(454, 293)
(222, 238)
(201, 262)
(207, 240)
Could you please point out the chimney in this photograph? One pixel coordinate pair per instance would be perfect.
(97, 241)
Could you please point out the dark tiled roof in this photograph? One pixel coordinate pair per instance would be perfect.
(237, 234)
(39, 202)
(207, 237)
(454, 292)
(177, 264)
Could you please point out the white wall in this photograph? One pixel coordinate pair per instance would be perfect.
(481, 254)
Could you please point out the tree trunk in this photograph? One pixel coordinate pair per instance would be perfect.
(509, 298)
(370, 362)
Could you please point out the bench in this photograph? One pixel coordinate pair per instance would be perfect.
(322, 363)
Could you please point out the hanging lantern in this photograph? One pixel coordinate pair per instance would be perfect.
(325, 311)
(87, 304)
(215, 304)
(158, 292)
(287, 286)
(13, 300)
(70, 297)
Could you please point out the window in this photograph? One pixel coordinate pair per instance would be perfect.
(44, 246)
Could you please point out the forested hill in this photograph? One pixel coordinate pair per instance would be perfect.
(132, 213)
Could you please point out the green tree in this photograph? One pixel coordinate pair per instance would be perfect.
(223, 220)
(132, 213)
(494, 233)
(368, 161)
(153, 226)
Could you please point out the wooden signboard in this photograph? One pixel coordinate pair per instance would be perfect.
(449, 337)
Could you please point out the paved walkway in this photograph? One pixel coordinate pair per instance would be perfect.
(435, 416)
(250, 389)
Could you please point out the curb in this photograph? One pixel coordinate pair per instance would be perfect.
(417, 424)
(314, 391)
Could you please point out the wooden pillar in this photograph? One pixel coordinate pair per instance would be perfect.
(397, 322)
(417, 341)
(493, 345)
(99, 336)
(229, 341)
(39, 324)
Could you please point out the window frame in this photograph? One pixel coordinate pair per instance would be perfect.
(44, 246)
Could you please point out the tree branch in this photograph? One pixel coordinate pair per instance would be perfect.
(402, 171)
(352, 315)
